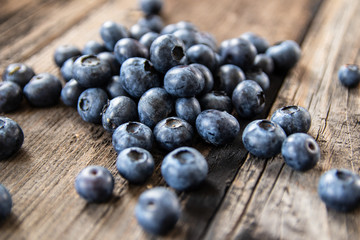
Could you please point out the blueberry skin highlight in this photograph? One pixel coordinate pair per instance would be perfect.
(137, 75)
(151, 6)
(114, 88)
(127, 48)
(173, 132)
(217, 127)
(187, 109)
(91, 103)
(292, 119)
(340, 189)
(263, 138)
(135, 164)
(264, 62)
(216, 100)
(11, 137)
(184, 168)
(10, 96)
(300, 151)
(64, 52)
(349, 75)
(229, 76)
(71, 93)
(5, 203)
(154, 105)
(95, 184)
(66, 69)
(43, 90)
(148, 38)
(184, 81)
(111, 32)
(90, 71)
(248, 99)
(167, 51)
(285, 54)
(207, 75)
(132, 134)
(202, 54)
(18, 73)
(157, 210)
(137, 31)
(118, 111)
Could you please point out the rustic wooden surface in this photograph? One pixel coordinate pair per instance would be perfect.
(243, 197)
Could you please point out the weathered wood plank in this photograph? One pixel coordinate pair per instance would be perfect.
(268, 200)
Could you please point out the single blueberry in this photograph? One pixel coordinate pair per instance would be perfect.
(148, 38)
(151, 6)
(153, 22)
(114, 88)
(284, 54)
(93, 47)
(18, 73)
(218, 100)
(207, 75)
(64, 52)
(260, 43)
(71, 93)
(5, 202)
(137, 31)
(257, 75)
(229, 77)
(43, 90)
(111, 32)
(202, 54)
(132, 134)
(349, 75)
(217, 127)
(292, 119)
(91, 103)
(248, 99)
(10, 96)
(135, 164)
(340, 189)
(264, 62)
(263, 138)
(66, 69)
(118, 111)
(128, 48)
(111, 60)
(300, 151)
(187, 109)
(157, 210)
(94, 184)
(11, 137)
(184, 168)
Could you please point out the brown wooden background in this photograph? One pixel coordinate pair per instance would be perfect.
(243, 197)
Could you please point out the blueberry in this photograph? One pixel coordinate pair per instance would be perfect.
(10, 96)
(111, 32)
(349, 75)
(263, 138)
(184, 168)
(217, 127)
(71, 93)
(157, 210)
(340, 189)
(148, 38)
(132, 134)
(11, 137)
(111, 60)
(260, 43)
(5, 202)
(184, 81)
(153, 22)
(118, 111)
(18, 73)
(258, 76)
(207, 39)
(216, 100)
(284, 54)
(93, 47)
(137, 75)
(292, 119)
(264, 62)
(188, 36)
(91, 71)
(135, 164)
(137, 31)
(207, 75)
(67, 68)
(300, 151)
(248, 99)
(229, 77)
(187, 109)
(91, 103)
(167, 51)
(202, 54)
(43, 90)
(64, 52)
(154, 105)
(151, 6)
(94, 184)
(127, 48)
(114, 88)
(173, 132)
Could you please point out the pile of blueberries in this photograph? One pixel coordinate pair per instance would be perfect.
(174, 82)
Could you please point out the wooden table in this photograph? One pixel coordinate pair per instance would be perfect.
(243, 197)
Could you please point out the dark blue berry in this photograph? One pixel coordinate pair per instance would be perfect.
(11, 137)
(207, 75)
(300, 151)
(292, 119)
(238, 51)
(66, 69)
(91, 103)
(349, 75)
(218, 100)
(153, 22)
(202, 54)
(217, 127)
(71, 93)
(151, 6)
(43, 90)
(207, 39)
(64, 52)
(148, 38)
(248, 99)
(127, 48)
(94, 184)
(188, 36)
(18, 73)
(229, 77)
(118, 111)
(111, 32)
(340, 189)
(157, 210)
(93, 47)
(284, 54)
(187, 109)
(258, 76)
(173, 132)
(135, 164)
(132, 134)
(5, 202)
(111, 60)
(184, 168)
(10, 96)
(137, 31)
(114, 88)
(260, 43)
(264, 62)
(263, 138)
